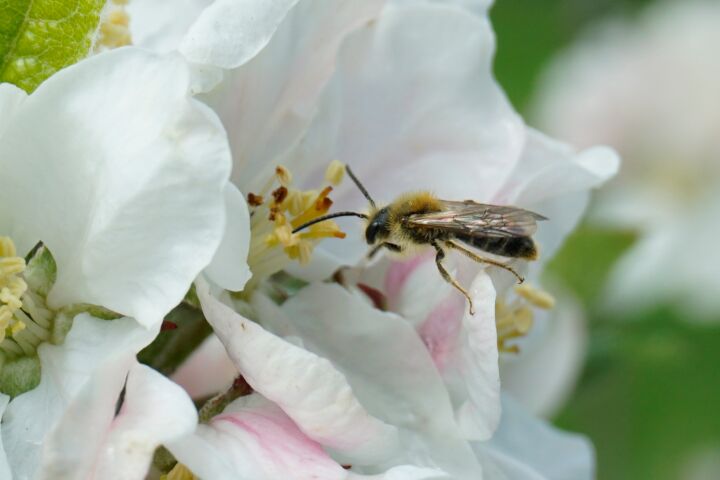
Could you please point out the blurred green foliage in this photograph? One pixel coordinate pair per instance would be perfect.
(651, 382)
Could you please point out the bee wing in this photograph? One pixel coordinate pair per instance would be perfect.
(471, 218)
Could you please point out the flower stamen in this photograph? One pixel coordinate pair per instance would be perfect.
(515, 320)
(114, 28)
(273, 242)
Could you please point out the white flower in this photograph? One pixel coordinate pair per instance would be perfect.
(647, 86)
(121, 175)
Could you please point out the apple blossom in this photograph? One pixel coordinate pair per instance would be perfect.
(122, 176)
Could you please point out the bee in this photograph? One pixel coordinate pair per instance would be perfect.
(419, 219)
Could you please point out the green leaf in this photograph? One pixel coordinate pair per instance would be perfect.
(39, 37)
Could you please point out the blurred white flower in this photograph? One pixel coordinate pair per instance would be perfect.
(648, 87)
(121, 176)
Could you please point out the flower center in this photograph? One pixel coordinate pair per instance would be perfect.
(25, 320)
(273, 245)
(114, 28)
(515, 319)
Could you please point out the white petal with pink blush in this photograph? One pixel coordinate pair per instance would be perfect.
(388, 367)
(255, 439)
(307, 387)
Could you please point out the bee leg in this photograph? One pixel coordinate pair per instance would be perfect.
(389, 246)
(478, 258)
(446, 276)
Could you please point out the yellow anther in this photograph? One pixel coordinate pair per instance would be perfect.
(114, 28)
(179, 472)
(535, 296)
(295, 202)
(512, 322)
(119, 18)
(17, 327)
(283, 175)
(7, 247)
(273, 242)
(12, 287)
(335, 172)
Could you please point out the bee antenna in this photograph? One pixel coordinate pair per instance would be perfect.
(328, 217)
(360, 186)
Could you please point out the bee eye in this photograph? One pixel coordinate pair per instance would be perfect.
(377, 228)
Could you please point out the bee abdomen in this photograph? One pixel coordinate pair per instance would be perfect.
(512, 247)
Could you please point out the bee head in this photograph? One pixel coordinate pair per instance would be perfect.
(378, 226)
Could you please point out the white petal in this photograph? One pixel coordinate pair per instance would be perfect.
(155, 411)
(389, 369)
(267, 104)
(207, 371)
(96, 355)
(554, 180)
(160, 25)
(404, 472)
(229, 268)
(132, 172)
(91, 441)
(477, 384)
(254, 439)
(307, 387)
(533, 449)
(228, 33)
(11, 100)
(413, 104)
(4, 464)
(476, 6)
(463, 346)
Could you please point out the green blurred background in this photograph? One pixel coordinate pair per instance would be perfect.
(651, 384)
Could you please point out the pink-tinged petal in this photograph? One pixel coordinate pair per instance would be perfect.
(4, 464)
(207, 371)
(93, 361)
(525, 447)
(409, 110)
(397, 278)
(267, 104)
(441, 330)
(254, 439)
(462, 346)
(388, 367)
(307, 387)
(93, 442)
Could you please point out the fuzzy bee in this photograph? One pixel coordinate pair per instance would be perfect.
(419, 219)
